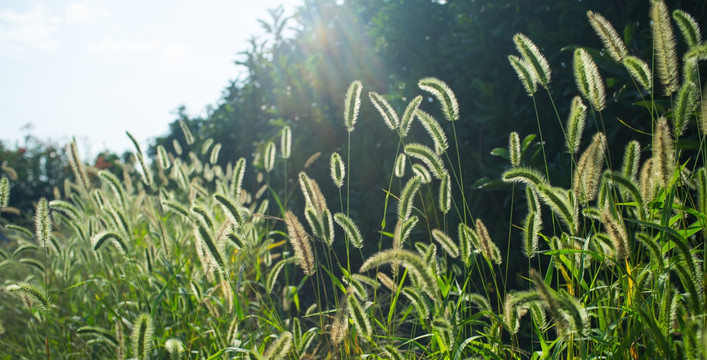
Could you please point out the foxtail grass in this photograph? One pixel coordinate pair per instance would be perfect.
(445, 95)
(532, 55)
(34, 296)
(409, 115)
(664, 45)
(338, 171)
(4, 192)
(428, 157)
(400, 164)
(575, 125)
(350, 229)
(609, 37)
(525, 74)
(412, 262)
(269, 156)
(639, 71)
(141, 338)
(352, 104)
(286, 142)
(175, 348)
(588, 79)
(301, 243)
(434, 129)
(390, 117)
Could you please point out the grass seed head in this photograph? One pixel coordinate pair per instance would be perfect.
(4, 192)
(409, 115)
(175, 348)
(688, 27)
(640, 71)
(525, 73)
(338, 170)
(390, 117)
(532, 55)
(575, 124)
(141, 338)
(664, 45)
(400, 163)
(434, 129)
(608, 35)
(588, 79)
(514, 150)
(42, 222)
(301, 243)
(444, 94)
(286, 142)
(352, 104)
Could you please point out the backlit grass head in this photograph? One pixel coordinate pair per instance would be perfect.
(575, 124)
(269, 156)
(390, 117)
(4, 192)
(338, 171)
(589, 82)
(609, 37)
(531, 54)
(286, 142)
(34, 296)
(42, 222)
(688, 27)
(664, 47)
(525, 74)
(445, 95)
(301, 243)
(352, 104)
(141, 338)
(409, 115)
(413, 262)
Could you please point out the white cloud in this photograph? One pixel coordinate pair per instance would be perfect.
(30, 30)
(148, 52)
(109, 45)
(81, 13)
(177, 55)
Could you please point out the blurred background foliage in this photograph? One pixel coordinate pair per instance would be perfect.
(298, 73)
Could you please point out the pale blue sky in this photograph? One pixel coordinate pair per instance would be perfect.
(96, 68)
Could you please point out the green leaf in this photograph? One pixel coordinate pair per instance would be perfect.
(501, 152)
(335, 280)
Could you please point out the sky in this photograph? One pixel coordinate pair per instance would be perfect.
(93, 69)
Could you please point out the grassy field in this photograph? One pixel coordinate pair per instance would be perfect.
(181, 258)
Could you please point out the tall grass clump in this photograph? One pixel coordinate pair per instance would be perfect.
(186, 258)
